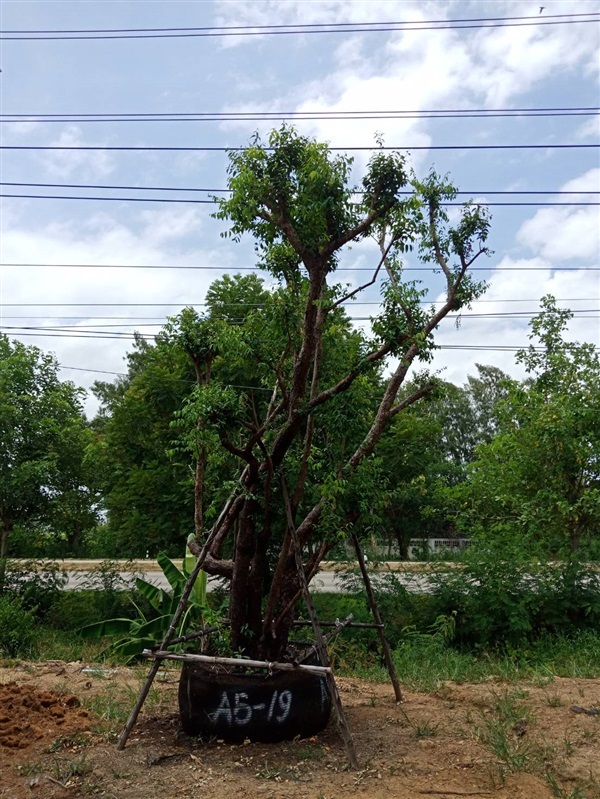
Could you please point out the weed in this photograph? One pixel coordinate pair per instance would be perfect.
(111, 707)
(503, 729)
(422, 729)
(117, 774)
(569, 748)
(268, 773)
(17, 627)
(560, 792)
(515, 753)
(73, 739)
(30, 769)
(554, 700)
(64, 771)
(307, 752)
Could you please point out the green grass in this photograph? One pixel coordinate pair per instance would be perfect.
(53, 644)
(425, 664)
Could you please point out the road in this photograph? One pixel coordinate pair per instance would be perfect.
(84, 574)
(325, 582)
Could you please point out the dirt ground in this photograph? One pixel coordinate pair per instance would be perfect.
(59, 721)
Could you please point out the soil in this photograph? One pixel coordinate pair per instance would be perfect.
(58, 723)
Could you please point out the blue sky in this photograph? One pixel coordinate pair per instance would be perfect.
(510, 67)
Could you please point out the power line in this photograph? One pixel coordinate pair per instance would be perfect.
(296, 29)
(258, 269)
(581, 313)
(297, 116)
(32, 117)
(236, 305)
(187, 201)
(199, 304)
(225, 149)
(495, 348)
(303, 25)
(226, 191)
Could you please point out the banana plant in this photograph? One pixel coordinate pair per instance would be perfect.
(135, 635)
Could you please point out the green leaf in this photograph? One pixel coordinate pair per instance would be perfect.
(101, 629)
(155, 596)
(170, 570)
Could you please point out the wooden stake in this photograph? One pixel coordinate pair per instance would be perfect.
(173, 626)
(247, 664)
(319, 641)
(338, 626)
(376, 615)
(165, 642)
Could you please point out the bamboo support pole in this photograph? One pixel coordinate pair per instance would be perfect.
(319, 641)
(339, 626)
(165, 642)
(354, 624)
(172, 627)
(190, 637)
(243, 662)
(377, 616)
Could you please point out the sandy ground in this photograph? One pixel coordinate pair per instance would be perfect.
(58, 723)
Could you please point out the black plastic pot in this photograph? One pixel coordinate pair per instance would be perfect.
(259, 707)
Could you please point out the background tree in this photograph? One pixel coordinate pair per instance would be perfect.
(304, 438)
(147, 495)
(43, 436)
(538, 481)
(426, 454)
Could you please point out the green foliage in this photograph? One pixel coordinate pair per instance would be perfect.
(147, 494)
(503, 598)
(17, 627)
(287, 392)
(315, 188)
(538, 480)
(149, 627)
(44, 437)
(37, 584)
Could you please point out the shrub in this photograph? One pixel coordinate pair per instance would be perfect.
(39, 585)
(17, 627)
(504, 598)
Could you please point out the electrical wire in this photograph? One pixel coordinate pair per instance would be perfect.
(187, 201)
(226, 191)
(338, 268)
(305, 24)
(297, 29)
(579, 313)
(297, 116)
(478, 347)
(239, 305)
(225, 149)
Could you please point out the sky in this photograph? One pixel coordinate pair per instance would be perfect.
(52, 296)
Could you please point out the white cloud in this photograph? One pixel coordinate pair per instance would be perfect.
(22, 128)
(516, 286)
(567, 232)
(590, 129)
(415, 70)
(151, 237)
(86, 165)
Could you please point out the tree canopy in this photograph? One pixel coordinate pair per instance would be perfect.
(538, 480)
(302, 428)
(44, 479)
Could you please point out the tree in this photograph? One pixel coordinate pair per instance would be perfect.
(43, 435)
(538, 481)
(146, 493)
(427, 451)
(305, 449)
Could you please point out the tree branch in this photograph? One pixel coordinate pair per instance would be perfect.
(366, 285)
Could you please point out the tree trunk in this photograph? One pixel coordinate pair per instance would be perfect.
(4, 533)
